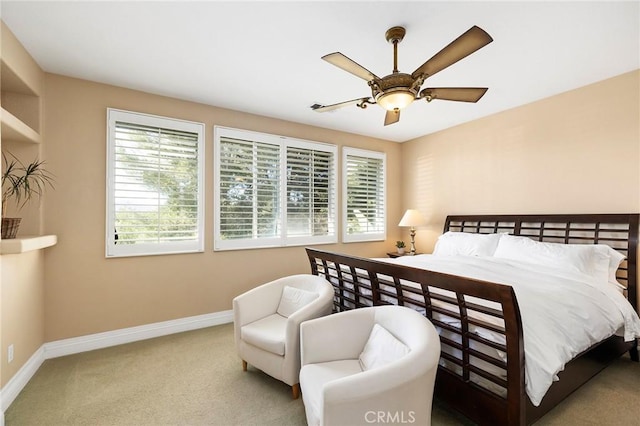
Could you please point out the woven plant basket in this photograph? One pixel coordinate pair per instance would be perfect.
(10, 227)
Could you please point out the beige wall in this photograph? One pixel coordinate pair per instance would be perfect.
(22, 275)
(86, 293)
(22, 309)
(577, 152)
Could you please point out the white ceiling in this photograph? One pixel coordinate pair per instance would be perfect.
(264, 57)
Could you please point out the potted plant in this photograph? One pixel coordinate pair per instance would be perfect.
(20, 182)
(400, 246)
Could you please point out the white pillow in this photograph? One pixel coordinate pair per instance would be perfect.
(588, 259)
(463, 243)
(293, 299)
(381, 349)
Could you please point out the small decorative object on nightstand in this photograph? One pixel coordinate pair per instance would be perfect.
(400, 246)
(412, 218)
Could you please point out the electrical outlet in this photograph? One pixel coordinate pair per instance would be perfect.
(10, 353)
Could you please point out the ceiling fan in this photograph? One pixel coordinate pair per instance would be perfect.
(397, 90)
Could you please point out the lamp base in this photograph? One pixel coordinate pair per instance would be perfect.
(413, 241)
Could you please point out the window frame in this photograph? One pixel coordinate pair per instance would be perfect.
(362, 237)
(112, 249)
(282, 239)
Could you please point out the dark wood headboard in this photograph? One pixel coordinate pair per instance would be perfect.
(619, 231)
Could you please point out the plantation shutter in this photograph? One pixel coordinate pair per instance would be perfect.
(309, 192)
(249, 182)
(364, 194)
(272, 191)
(155, 185)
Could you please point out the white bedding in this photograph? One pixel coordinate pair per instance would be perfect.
(563, 312)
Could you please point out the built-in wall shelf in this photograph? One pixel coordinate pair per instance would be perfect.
(14, 129)
(28, 243)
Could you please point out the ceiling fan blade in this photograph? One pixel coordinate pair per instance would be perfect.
(391, 117)
(474, 39)
(460, 94)
(341, 61)
(325, 108)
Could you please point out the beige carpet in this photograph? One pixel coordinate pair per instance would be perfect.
(195, 378)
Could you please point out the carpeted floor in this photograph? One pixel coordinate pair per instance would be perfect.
(195, 378)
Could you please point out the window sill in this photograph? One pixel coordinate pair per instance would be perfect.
(29, 243)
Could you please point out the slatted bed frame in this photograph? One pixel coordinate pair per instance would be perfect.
(361, 282)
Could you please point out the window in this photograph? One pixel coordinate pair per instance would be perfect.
(364, 199)
(155, 172)
(272, 191)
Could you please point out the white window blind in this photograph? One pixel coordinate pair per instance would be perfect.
(272, 191)
(154, 185)
(249, 179)
(309, 192)
(364, 195)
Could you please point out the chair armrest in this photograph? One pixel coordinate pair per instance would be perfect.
(320, 307)
(335, 337)
(316, 309)
(256, 303)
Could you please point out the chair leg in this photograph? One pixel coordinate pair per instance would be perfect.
(295, 389)
(244, 365)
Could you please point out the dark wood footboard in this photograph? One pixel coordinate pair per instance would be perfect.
(478, 377)
(493, 387)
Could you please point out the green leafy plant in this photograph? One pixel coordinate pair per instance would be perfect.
(400, 244)
(22, 182)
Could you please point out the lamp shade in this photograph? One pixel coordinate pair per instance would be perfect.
(412, 218)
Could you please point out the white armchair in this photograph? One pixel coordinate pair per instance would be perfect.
(400, 358)
(267, 323)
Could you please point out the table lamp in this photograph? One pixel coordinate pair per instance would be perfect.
(412, 218)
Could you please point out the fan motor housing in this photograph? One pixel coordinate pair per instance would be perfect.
(393, 82)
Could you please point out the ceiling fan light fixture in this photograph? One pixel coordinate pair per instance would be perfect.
(398, 90)
(395, 99)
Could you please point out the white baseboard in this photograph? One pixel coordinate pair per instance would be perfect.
(102, 340)
(11, 390)
(133, 334)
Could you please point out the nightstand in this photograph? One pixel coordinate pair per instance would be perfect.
(394, 254)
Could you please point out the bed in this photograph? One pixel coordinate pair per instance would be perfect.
(467, 376)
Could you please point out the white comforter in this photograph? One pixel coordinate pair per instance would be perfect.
(563, 312)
